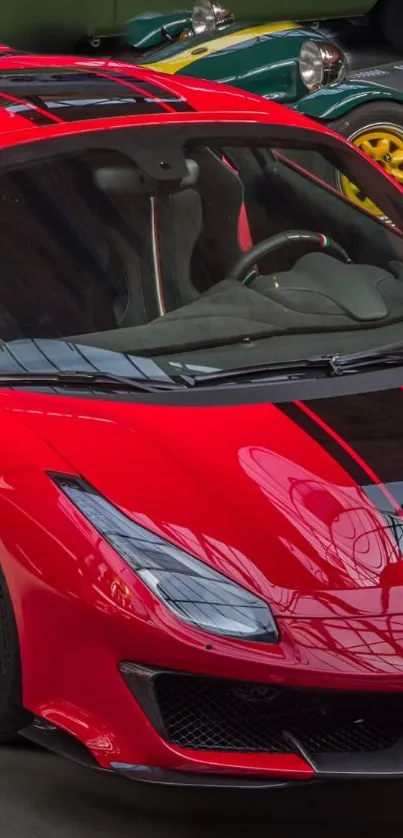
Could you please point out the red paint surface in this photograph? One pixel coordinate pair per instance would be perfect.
(254, 497)
(242, 488)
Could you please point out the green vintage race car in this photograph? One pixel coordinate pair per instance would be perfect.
(151, 29)
(298, 66)
(282, 61)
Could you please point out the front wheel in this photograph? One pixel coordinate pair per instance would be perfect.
(377, 130)
(13, 717)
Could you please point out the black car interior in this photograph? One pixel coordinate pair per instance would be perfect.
(108, 262)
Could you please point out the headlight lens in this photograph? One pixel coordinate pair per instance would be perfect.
(208, 16)
(321, 63)
(192, 590)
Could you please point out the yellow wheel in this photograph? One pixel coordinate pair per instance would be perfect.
(384, 144)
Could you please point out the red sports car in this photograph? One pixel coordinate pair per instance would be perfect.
(201, 408)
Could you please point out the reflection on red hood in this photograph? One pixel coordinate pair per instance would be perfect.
(249, 489)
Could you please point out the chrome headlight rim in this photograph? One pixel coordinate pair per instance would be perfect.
(208, 16)
(331, 64)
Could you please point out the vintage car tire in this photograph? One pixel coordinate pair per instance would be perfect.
(389, 14)
(377, 129)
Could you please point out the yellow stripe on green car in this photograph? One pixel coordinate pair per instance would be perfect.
(176, 63)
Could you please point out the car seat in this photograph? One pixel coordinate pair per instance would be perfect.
(197, 229)
(173, 246)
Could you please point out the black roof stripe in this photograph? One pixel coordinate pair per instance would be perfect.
(71, 95)
(57, 84)
(157, 91)
(27, 110)
(183, 107)
(77, 109)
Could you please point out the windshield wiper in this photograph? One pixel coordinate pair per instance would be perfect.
(387, 356)
(86, 380)
(326, 365)
(288, 370)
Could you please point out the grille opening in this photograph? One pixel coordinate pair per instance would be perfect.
(222, 715)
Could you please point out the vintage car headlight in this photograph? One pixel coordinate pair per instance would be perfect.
(321, 63)
(208, 16)
(194, 592)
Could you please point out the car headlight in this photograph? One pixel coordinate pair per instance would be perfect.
(321, 63)
(194, 592)
(208, 16)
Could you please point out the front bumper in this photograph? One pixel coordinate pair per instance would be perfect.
(387, 764)
(242, 734)
(221, 771)
(182, 779)
(228, 771)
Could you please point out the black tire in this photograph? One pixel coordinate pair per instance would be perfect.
(389, 13)
(388, 115)
(375, 113)
(13, 717)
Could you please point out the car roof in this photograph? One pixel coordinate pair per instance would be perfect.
(45, 96)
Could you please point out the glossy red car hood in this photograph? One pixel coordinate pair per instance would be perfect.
(299, 501)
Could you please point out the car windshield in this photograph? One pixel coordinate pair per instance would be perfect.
(136, 243)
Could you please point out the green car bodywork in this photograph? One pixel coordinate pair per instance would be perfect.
(382, 84)
(259, 59)
(154, 29)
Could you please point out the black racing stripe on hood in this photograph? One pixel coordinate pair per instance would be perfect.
(372, 425)
(362, 434)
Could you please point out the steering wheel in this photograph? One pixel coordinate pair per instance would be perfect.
(247, 261)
